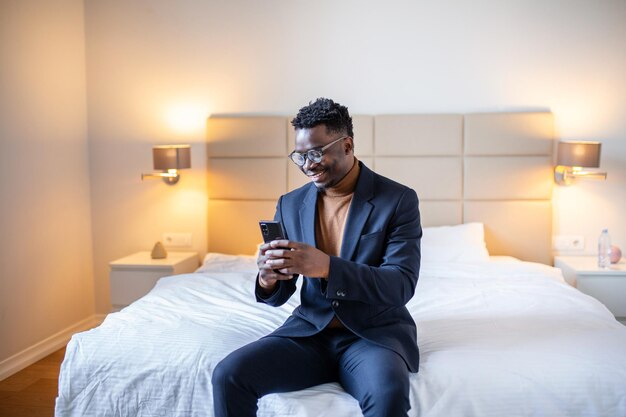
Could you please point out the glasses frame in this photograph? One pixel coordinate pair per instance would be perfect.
(317, 150)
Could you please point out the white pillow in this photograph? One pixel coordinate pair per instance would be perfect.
(460, 243)
(220, 262)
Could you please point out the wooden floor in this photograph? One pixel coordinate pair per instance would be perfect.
(32, 391)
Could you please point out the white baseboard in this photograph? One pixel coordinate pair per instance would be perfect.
(47, 346)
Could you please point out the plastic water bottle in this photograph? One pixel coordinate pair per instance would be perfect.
(604, 249)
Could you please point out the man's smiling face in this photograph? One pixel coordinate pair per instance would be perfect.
(336, 161)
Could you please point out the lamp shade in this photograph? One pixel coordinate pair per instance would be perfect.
(171, 157)
(579, 154)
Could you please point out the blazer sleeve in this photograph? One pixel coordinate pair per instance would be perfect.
(393, 282)
(284, 289)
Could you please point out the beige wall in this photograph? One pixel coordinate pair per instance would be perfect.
(131, 108)
(46, 278)
(148, 58)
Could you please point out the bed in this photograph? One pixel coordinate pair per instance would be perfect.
(499, 337)
(500, 332)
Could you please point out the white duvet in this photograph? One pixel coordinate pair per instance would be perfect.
(503, 338)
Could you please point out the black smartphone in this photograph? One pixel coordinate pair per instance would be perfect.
(271, 230)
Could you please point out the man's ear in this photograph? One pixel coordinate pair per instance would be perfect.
(348, 145)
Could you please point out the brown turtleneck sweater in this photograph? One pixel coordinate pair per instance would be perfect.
(332, 210)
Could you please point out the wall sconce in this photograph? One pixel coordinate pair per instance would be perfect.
(169, 159)
(572, 157)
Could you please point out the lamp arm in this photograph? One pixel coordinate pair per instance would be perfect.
(564, 175)
(589, 174)
(170, 177)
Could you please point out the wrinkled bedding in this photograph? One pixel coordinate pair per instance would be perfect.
(497, 338)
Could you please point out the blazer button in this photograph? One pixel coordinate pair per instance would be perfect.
(335, 303)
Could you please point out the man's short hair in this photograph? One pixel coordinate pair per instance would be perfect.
(324, 111)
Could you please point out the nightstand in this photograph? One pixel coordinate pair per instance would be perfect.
(606, 285)
(134, 276)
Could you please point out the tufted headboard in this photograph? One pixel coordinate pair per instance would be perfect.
(495, 168)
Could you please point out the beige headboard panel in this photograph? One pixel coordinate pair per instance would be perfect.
(495, 168)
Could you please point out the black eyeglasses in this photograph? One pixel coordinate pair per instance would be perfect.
(314, 155)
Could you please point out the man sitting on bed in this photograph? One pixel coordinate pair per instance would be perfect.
(355, 238)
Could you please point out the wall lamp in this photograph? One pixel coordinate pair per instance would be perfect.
(169, 159)
(572, 157)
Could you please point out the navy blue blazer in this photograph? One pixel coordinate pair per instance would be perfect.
(375, 275)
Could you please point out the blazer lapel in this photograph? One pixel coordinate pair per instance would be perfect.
(360, 210)
(307, 216)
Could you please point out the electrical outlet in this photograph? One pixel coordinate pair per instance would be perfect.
(177, 239)
(562, 242)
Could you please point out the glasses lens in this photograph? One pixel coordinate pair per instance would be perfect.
(297, 158)
(314, 155)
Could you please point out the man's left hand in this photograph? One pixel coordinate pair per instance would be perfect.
(297, 258)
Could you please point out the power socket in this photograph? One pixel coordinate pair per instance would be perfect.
(180, 240)
(568, 242)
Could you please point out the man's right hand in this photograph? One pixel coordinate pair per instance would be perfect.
(267, 275)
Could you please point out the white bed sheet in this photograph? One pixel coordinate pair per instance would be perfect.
(500, 338)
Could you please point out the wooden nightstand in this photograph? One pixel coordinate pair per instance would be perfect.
(134, 276)
(606, 285)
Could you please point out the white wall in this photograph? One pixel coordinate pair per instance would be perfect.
(147, 58)
(46, 276)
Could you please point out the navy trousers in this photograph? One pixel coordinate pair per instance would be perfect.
(377, 377)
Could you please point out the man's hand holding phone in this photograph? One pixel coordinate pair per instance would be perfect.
(281, 259)
(271, 231)
(268, 275)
